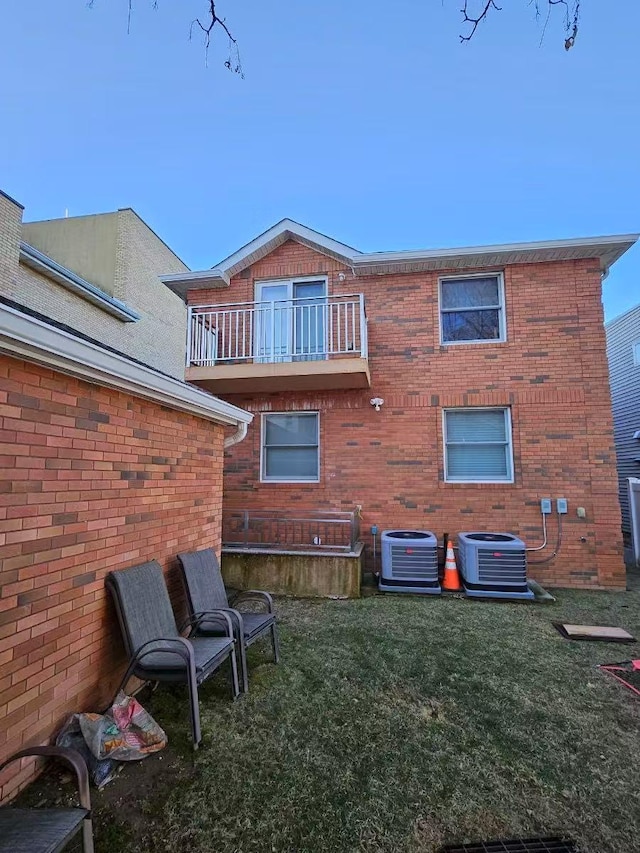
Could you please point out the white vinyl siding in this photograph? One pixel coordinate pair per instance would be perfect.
(290, 447)
(472, 309)
(477, 446)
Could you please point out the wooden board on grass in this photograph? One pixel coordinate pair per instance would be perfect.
(606, 633)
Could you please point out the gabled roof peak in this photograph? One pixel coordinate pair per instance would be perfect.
(286, 229)
(606, 249)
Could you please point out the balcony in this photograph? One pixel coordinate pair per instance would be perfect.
(302, 344)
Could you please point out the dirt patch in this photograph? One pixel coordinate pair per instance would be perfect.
(122, 809)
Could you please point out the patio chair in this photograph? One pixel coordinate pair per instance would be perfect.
(206, 591)
(155, 647)
(49, 830)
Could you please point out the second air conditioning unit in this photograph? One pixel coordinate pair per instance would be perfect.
(409, 562)
(493, 565)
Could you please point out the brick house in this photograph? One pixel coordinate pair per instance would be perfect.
(106, 458)
(490, 361)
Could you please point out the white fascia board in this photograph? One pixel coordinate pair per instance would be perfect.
(607, 249)
(182, 283)
(279, 233)
(25, 337)
(196, 276)
(614, 246)
(220, 275)
(45, 265)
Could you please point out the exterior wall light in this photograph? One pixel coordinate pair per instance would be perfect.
(376, 402)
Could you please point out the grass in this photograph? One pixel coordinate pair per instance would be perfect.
(398, 724)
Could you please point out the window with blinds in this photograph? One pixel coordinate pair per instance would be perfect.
(290, 447)
(477, 446)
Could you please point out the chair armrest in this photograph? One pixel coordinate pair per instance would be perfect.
(64, 753)
(255, 595)
(183, 648)
(218, 615)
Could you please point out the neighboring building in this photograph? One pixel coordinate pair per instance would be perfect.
(105, 462)
(491, 363)
(623, 352)
(99, 275)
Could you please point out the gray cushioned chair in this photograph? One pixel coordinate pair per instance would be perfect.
(206, 591)
(41, 830)
(155, 647)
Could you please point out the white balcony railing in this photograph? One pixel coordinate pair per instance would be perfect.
(306, 329)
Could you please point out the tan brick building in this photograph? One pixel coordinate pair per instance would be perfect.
(490, 361)
(105, 462)
(99, 275)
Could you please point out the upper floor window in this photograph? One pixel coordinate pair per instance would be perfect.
(290, 447)
(472, 309)
(636, 353)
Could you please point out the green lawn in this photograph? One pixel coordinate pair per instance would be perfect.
(397, 724)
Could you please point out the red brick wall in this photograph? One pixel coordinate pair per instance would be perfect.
(92, 480)
(551, 372)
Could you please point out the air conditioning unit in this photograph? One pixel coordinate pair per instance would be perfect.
(409, 562)
(493, 565)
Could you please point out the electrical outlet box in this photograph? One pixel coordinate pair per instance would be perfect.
(561, 505)
(545, 506)
(374, 529)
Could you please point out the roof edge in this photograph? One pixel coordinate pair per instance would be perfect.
(22, 336)
(155, 234)
(11, 199)
(45, 265)
(570, 243)
(622, 316)
(608, 249)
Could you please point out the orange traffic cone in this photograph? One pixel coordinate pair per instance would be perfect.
(451, 577)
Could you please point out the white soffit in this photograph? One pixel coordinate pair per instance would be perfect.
(606, 250)
(220, 275)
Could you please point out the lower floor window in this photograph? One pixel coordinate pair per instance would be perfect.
(477, 446)
(290, 447)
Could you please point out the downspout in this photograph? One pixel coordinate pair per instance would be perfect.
(237, 436)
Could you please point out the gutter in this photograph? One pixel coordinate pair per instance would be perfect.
(45, 265)
(25, 337)
(237, 436)
(606, 249)
(599, 244)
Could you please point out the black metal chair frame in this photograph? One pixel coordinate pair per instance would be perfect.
(236, 616)
(76, 762)
(183, 647)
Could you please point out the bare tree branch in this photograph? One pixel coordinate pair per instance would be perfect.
(571, 17)
(208, 23)
(232, 62)
(212, 20)
(475, 21)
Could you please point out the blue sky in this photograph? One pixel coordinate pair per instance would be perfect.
(368, 121)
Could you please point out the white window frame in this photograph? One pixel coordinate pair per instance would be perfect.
(502, 311)
(509, 432)
(291, 282)
(263, 478)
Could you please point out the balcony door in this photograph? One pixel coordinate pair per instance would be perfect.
(290, 320)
